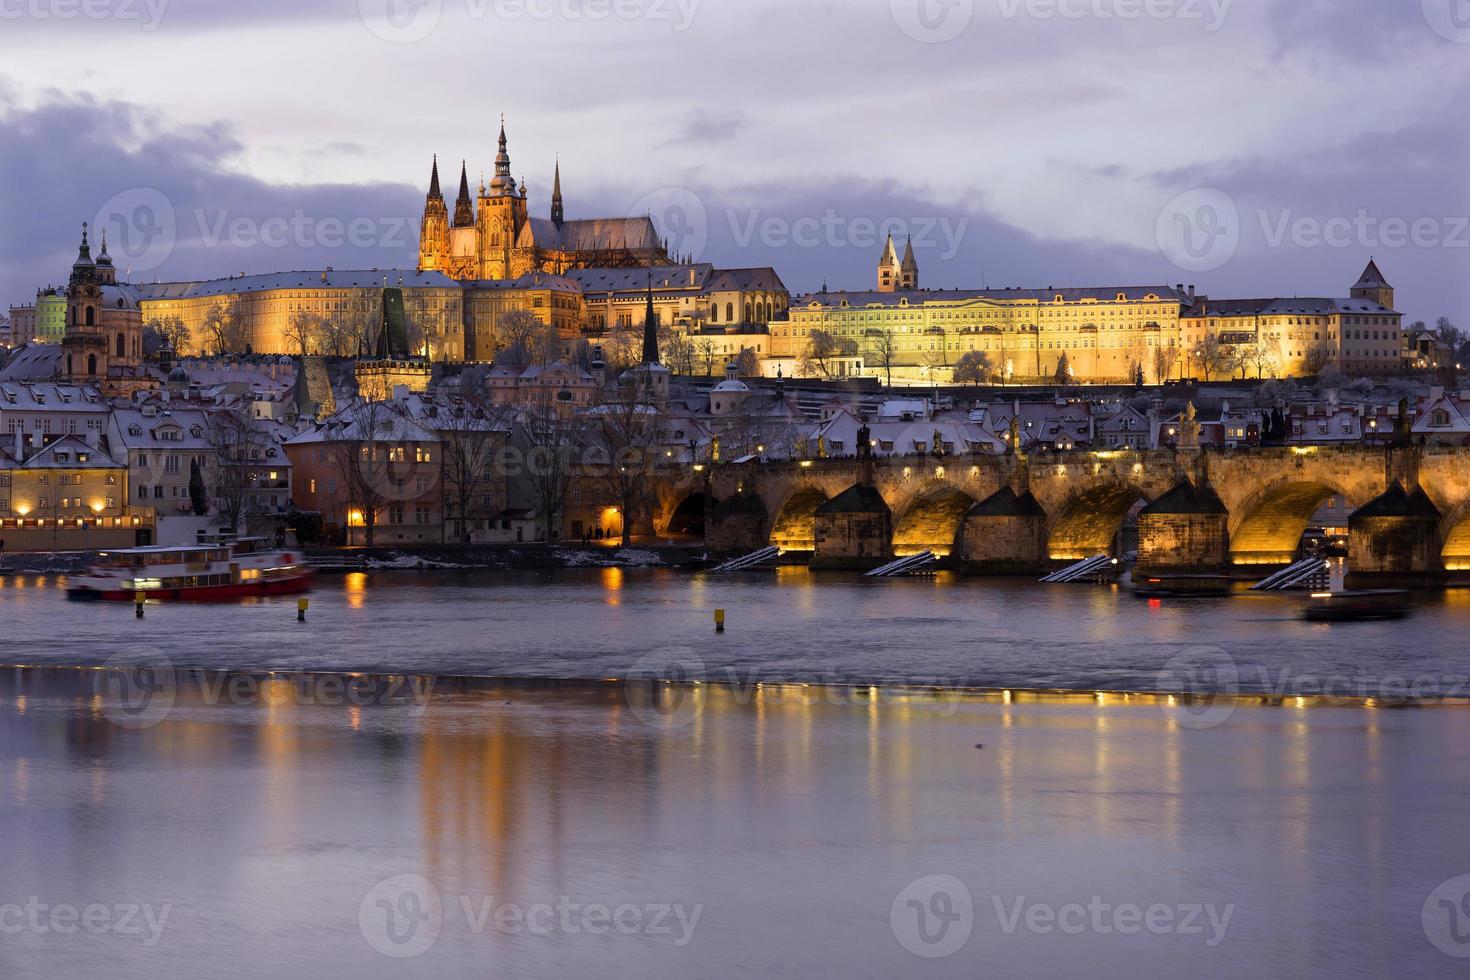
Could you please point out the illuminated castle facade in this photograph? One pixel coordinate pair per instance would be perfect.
(494, 236)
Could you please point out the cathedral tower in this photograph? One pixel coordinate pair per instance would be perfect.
(434, 231)
(502, 216)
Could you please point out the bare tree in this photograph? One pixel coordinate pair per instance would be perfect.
(747, 363)
(882, 350)
(1063, 373)
(1211, 356)
(224, 332)
(675, 350)
(822, 351)
(363, 458)
(706, 353)
(973, 368)
(240, 449)
(1317, 357)
(629, 432)
(168, 331)
(469, 437)
(1258, 356)
(304, 331)
(1164, 359)
(551, 439)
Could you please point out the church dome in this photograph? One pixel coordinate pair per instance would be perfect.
(732, 387)
(178, 376)
(118, 298)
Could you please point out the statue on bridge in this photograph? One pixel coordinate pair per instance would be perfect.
(864, 441)
(1189, 428)
(1014, 437)
(938, 448)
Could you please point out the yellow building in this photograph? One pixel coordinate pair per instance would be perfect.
(1282, 338)
(1024, 333)
(326, 312)
(552, 299)
(69, 495)
(1109, 334)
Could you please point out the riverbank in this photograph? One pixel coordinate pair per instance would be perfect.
(521, 557)
(503, 557)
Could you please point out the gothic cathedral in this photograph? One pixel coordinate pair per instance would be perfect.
(494, 237)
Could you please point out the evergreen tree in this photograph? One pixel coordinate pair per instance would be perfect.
(198, 499)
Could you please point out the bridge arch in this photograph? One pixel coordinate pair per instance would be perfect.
(1267, 529)
(794, 527)
(933, 519)
(1455, 532)
(687, 516)
(1089, 521)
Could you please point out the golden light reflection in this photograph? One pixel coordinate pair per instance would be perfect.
(356, 588)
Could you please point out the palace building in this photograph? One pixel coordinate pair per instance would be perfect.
(1106, 334)
(494, 236)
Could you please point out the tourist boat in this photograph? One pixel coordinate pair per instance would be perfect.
(1346, 607)
(211, 571)
(1182, 586)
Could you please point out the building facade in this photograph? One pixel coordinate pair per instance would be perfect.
(314, 312)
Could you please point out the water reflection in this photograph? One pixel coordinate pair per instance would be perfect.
(792, 813)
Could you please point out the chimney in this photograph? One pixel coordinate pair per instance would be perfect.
(1191, 290)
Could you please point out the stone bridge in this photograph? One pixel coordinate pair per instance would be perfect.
(1204, 509)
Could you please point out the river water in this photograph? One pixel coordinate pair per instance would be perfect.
(165, 822)
(784, 625)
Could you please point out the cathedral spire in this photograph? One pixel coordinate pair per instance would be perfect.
(502, 159)
(557, 215)
(502, 184)
(464, 208)
(434, 192)
(650, 329)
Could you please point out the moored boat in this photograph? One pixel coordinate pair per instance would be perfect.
(1343, 607)
(217, 571)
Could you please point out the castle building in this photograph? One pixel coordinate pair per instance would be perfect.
(1286, 337)
(325, 311)
(1099, 335)
(494, 236)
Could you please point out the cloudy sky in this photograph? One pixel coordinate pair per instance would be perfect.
(1251, 147)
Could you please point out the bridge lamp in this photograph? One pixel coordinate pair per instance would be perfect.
(939, 472)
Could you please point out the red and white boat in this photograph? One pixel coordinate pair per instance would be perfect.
(211, 571)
